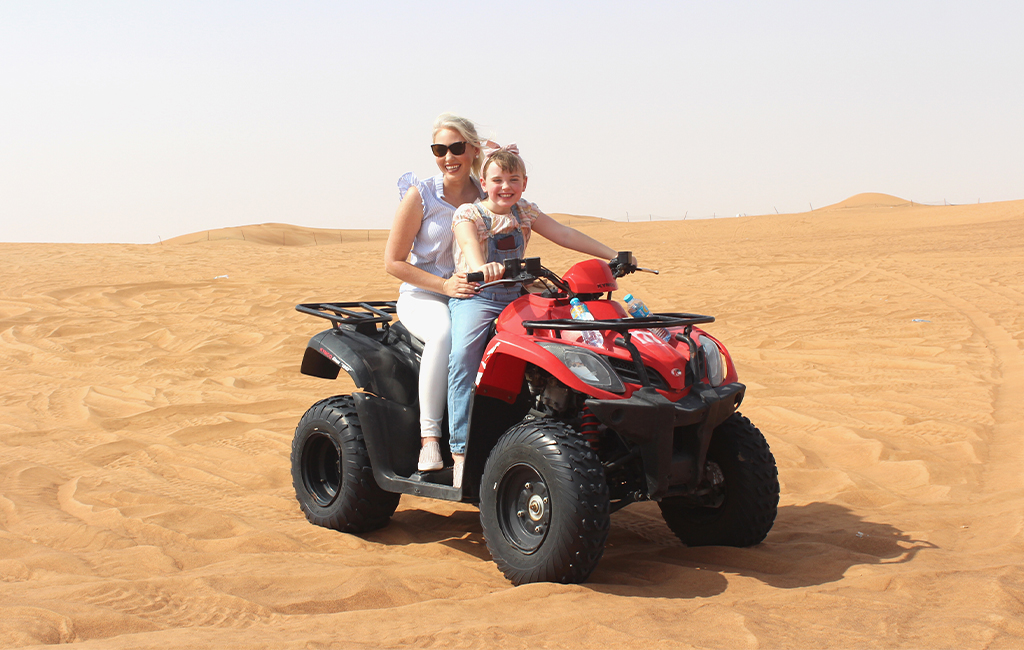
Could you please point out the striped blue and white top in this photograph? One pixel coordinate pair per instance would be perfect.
(432, 248)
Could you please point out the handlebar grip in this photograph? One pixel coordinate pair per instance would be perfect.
(475, 277)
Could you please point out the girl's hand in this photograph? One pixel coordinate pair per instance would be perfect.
(492, 271)
(457, 287)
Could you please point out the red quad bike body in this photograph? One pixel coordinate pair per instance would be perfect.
(562, 433)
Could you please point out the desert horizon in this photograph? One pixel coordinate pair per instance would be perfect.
(152, 390)
(285, 234)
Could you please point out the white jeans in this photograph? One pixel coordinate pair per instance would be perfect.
(426, 316)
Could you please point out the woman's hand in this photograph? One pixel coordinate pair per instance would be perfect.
(457, 287)
(492, 271)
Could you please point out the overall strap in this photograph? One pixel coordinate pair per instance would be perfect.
(518, 215)
(486, 217)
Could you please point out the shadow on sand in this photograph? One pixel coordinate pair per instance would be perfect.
(809, 545)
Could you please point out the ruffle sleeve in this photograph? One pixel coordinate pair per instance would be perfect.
(468, 212)
(408, 180)
(528, 213)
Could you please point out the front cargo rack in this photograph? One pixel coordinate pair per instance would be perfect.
(619, 324)
(623, 326)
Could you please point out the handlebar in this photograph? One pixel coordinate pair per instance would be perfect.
(530, 268)
(516, 270)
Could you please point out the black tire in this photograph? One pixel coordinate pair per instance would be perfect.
(544, 504)
(747, 491)
(331, 470)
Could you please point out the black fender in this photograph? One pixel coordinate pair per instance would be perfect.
(392, 435)
(386, 365)
(672, 437)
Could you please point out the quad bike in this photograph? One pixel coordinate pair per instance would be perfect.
(562, 433)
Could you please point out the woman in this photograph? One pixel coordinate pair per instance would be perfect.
(419, 252)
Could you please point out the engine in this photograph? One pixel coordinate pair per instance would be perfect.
(552, 397)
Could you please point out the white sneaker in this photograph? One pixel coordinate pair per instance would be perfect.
(460, 464)
(430, 457)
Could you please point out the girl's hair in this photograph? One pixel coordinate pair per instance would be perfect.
(467, 130)
(509, 162)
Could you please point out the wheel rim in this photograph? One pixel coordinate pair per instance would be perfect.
(524, 508)
(716, 495)
(710, 506)
(321, 468)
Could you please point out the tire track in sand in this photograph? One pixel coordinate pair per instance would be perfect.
(1005, 448)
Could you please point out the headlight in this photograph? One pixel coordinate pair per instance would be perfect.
(716, 365)
(588, 366)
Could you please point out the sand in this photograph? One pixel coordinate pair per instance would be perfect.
(150, 394)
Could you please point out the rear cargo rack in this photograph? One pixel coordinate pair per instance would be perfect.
(358, 314)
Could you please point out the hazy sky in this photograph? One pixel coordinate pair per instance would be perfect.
(135, 121)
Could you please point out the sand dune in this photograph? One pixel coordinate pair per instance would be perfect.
(151, 392)
(869, 200)
(280, 234)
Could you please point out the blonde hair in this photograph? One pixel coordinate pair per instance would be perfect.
(509, 162)
(467, 130)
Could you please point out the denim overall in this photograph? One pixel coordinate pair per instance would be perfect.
(471, 321)
(512, 246)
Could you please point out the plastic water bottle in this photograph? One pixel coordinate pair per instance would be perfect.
(637, 309)
(579, 311)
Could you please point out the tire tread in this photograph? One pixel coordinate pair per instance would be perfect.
(361, 505)
(568, 555)
(752, 493)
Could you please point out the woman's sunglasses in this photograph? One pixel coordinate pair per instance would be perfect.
(441, 150)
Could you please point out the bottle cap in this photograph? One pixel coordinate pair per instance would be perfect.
(628, 297)
(574, 301)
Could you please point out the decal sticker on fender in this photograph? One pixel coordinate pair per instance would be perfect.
(483, 363)
(648, 338)
(327, 353)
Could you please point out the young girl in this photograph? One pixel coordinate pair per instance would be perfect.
(487, 232)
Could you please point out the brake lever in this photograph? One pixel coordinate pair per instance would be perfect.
(621, 266)
(620, 270)
(502, 281)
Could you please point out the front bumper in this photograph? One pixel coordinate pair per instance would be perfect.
(672, 437)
